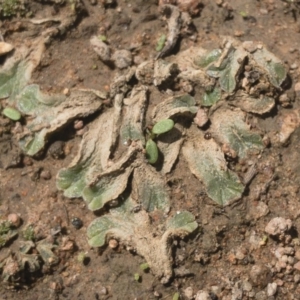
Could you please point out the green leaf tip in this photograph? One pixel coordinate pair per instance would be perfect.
(151, 151)
(163, 126)
(161, 42)
(144, 266)
(12, 113)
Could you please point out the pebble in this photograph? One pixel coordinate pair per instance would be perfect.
(65, 274)
(297, 278)
(297, 266)
(250, 46)
(246, 286)
(254, 240)
(56, 150)
(201, 118)
(202, 295)
(101, 48)
(260, 210)
(284, 99)
(189, 293)
(14, 219)
(279, 282)
(251, 294)
(78, 124)
(157, 294)
(290, 260)
(239, 33)
(284, 258)
(138, 59)
(271, 289)
(297, 254)
(280, 265)
(278, 226)
(103, 291)
(5, 48)
(261, 295)
(113, 244)
(122, 59)
(237, 293)
(77, 223)
(27, 161)
(263, 11)
(66, 92)
(45, 174)
(259, 275)
(216, 289)
(297, 87)
(294, 66)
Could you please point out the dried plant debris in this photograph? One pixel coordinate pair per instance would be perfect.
(149, 189)
(174, 106)
(174, 21)
(135, 230)
(44, 248)
(163, 70)
(26, 258)
(235, 83)
(169, 146)
(260, 105)
(51, 113)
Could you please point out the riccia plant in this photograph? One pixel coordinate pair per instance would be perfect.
(122, 166)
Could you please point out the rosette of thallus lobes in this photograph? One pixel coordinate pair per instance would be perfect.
(131, 146)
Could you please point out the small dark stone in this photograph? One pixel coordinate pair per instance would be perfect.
(252, 20)
(45, 174)
(77, 223)
(35, 175)
(16, 197)
(56, 150)
(27, 161)
(207, 135)
(213, 296)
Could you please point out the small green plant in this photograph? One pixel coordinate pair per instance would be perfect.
(161, 42)
(243, 13)
(6, 233)
(176, 296)
(160, 127)
(144, 266)
(11, 113)
(81, 257)
(137, 277)
(28, 233)
(4, 227)
(10, 8)
(102, 38)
